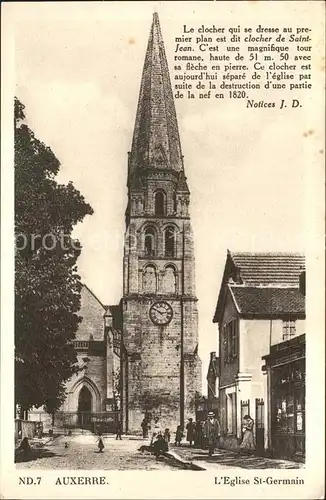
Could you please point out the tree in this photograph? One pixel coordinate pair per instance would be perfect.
(47, 286)
(194, 401)
(152, 401)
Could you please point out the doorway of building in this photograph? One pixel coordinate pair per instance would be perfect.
(84, 408)
(260, 430)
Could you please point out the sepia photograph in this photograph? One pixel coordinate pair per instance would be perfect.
(163, 230)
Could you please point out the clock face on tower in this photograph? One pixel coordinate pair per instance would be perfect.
(161, 313)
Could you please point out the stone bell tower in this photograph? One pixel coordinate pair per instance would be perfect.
(161, 370)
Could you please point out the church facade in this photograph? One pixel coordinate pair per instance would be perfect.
(94, 389)
(151, 337)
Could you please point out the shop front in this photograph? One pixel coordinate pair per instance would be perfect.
(285, 366)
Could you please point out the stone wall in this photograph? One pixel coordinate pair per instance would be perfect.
(154, 362)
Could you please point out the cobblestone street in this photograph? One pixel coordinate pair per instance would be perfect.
(82, 453)
(226, 459)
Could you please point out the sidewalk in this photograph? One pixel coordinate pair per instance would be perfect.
(226, 459)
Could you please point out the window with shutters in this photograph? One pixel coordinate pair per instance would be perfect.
(230, 340)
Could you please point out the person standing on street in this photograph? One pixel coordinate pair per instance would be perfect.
(167, 435)
(118, 431)
(247, 445)
(190, 431)
(100, 443)
(178, 436)
(211, 432)
(156, 429)
(199, 434)
(144, 426)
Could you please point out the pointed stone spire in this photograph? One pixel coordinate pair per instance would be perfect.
(156, 142)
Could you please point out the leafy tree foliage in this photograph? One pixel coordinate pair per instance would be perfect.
(194, 401)
(152, 401)
(47, 286)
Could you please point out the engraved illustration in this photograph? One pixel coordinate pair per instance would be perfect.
(120, 386)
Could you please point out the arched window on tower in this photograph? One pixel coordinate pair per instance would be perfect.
(159, 199)
(149, 241)
(169, 242)
(169, 280)
(149, 279)
(174, 203)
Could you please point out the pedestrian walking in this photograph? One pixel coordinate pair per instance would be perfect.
(178, 436)
(118, 431)
(144, 426)
(247, 445)
(211, 432)
(167, 435)
(190, 431)
(100, 443)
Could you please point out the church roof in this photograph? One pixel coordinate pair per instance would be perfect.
(89, 291)
(156, 142)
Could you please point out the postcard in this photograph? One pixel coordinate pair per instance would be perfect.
(162, 314)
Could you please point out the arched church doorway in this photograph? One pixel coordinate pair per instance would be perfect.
(84, 407)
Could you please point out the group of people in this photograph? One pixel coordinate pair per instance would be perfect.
(206, 434)
(203, 434)
(199, 434)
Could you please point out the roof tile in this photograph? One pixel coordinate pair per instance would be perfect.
(269, 301)
(281, 269)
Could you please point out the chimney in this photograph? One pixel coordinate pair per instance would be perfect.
(302, 282)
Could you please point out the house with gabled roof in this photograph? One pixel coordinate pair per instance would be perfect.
(260, 303)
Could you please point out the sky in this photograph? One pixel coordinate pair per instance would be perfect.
(78, 71)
